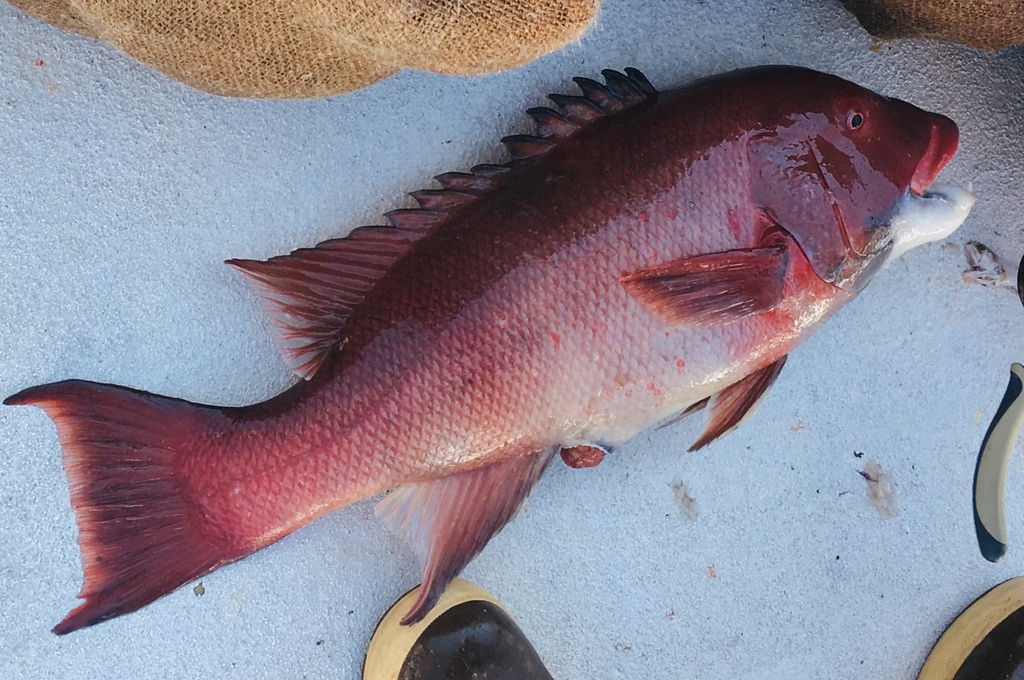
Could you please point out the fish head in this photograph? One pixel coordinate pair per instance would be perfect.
(844, 170)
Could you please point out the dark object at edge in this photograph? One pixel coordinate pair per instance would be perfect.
(990, 470)
(474, 640)
(1020, 280)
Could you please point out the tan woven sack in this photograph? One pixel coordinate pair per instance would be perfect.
(986, 24)
(315, 48)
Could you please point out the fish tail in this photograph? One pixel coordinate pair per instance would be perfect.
(140, 534)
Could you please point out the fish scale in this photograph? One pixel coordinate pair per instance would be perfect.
(642, 255)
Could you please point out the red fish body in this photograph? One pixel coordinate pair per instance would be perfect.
(644, 252)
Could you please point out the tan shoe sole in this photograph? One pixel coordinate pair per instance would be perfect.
(975, 626)
(391, 642)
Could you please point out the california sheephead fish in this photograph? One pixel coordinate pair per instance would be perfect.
(642, 255)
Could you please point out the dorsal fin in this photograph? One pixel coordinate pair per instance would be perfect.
(310, 294)
(621, 91)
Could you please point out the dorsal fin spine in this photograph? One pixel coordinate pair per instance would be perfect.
(525, 146)
(441, 199)
(598, 93)
(414, 219)
(551, 123)
(622, 87)
(578, 110)
(640, 80)
(489, 170)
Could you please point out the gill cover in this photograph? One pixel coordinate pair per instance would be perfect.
(833, 172)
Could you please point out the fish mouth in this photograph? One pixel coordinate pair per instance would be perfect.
(932, 215)
(942, 146)
(929, 211)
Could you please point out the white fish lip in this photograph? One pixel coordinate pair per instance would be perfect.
(933, 215)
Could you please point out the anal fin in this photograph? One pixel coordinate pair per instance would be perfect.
(448, 521)
(730, 406)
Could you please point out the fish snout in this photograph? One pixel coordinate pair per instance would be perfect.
(942, 146)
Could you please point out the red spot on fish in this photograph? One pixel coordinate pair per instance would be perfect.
(644, 217)
(680, 364)
(556, 338)
(654, 389)
(712, 574)
(672, 213)
(671, 614)
(39, 62)
(733, 222)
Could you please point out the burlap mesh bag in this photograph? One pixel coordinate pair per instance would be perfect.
(314, 48)
(985, 24)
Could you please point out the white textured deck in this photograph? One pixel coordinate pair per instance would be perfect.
(121, 193)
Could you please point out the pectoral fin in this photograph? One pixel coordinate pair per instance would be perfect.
(729, 407)
(449, 521)
(713, 288)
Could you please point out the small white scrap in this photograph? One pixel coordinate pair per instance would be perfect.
(881, 490)
(984, 267)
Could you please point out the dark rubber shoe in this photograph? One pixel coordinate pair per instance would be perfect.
(467, 635)
(986, 642)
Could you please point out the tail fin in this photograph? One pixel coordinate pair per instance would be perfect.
(140, 534)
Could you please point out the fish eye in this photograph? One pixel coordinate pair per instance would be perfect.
(854, 120)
